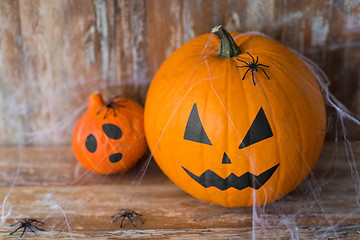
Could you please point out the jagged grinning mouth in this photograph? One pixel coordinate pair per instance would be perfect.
(211, 179)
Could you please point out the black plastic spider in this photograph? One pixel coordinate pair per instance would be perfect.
(112, 104)
(126, 213)
(253, 66)
(27, 223)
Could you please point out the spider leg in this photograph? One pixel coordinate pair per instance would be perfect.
(40, 229)
(131, 222)
(34, 220)
(121, 224)
(119, 216)
(15, 230)
(241, 66)
(115, 97)
(251, 56)
(119, 101)
(257, 59)
(138, 216)
(252, 74)
(242, 61)
(245, 74)
(114, 112)
(100, 109)
(22, 234)
(15, 223)
(264, 72)
(30, 227)
(263, 65)
(107, 110)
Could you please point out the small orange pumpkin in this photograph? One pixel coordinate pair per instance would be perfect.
(109, 137)
(241, 126)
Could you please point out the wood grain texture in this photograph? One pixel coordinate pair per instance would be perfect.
(55, 53)
(48, 185)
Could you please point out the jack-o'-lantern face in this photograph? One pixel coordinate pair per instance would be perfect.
(111, 131)
(231, 151)
(258, 131)
(109, 137)
(219, 155)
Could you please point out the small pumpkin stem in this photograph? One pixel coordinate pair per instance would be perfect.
(228, 47)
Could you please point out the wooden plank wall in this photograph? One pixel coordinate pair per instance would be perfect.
(53, 54)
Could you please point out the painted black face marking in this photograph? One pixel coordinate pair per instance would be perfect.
(116, 157)
(112, 131)
(211, 179)
(226, 159)
(259, 130)
(194, 129)
(91, 143)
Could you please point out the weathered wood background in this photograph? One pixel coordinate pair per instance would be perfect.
(53, 54)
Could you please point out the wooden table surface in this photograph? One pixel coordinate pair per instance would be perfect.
(48, 184)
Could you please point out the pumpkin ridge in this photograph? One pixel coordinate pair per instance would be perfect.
(301, 135)
(283, 141)
(304, 164)
(301, 89)
(270, 113)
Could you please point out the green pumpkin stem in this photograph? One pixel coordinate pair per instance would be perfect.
(228, 47)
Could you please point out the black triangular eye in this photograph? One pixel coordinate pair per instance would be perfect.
(260, 130)
(194, 129)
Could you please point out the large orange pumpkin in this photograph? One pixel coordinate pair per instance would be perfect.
(109, 137)
(238, 121)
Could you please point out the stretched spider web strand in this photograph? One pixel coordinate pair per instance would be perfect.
(3, 216)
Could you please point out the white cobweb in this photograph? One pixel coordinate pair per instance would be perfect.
(265, 220)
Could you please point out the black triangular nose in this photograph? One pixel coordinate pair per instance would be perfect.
(226, 159)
